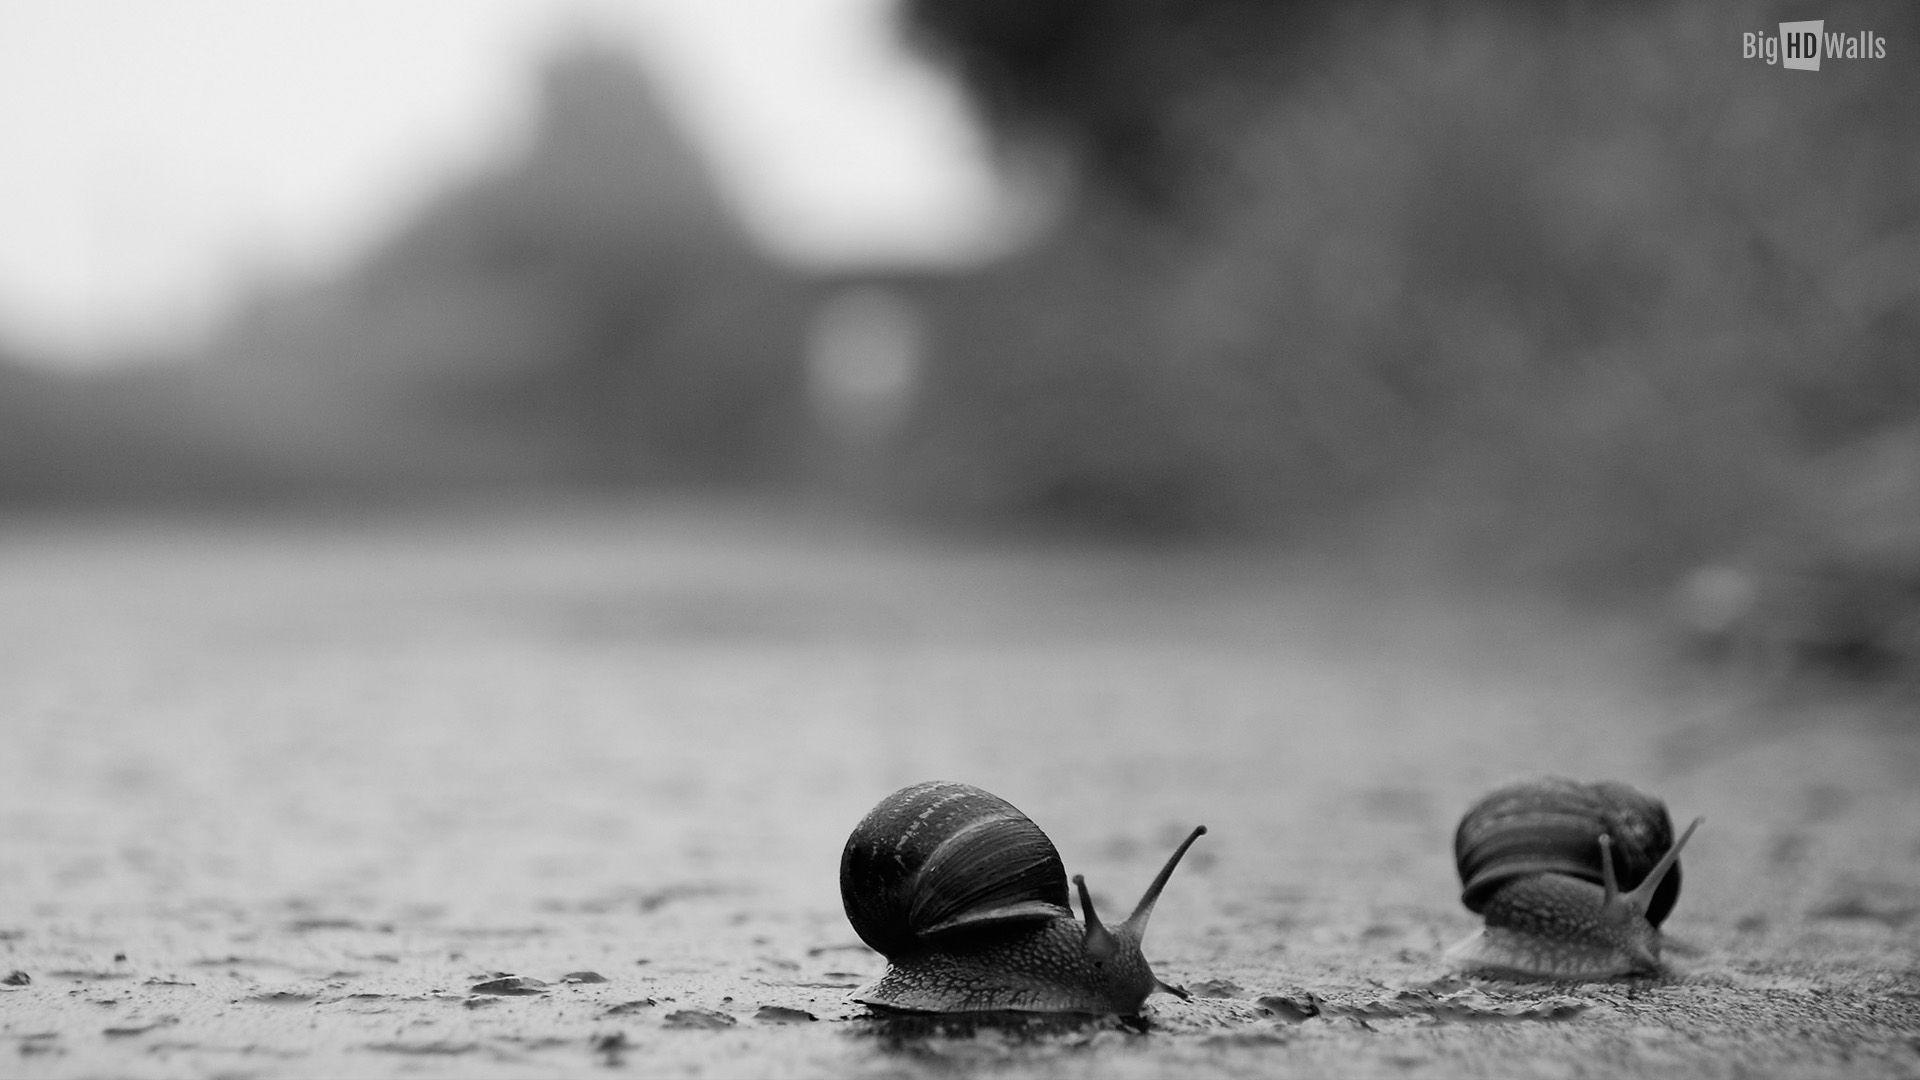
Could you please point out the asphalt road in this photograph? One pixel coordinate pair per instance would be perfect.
(293, 796)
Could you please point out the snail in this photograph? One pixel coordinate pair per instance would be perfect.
(1573, 879)
(967, 900)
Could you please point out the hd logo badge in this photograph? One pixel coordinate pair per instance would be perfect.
(1800, 46)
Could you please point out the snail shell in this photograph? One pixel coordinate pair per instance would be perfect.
(967, 899)
(1573, 879)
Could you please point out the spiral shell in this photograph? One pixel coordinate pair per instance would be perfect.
(1553, 825)
(940, 857)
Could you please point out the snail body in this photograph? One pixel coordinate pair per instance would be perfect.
(1572, 879)
(967, 899)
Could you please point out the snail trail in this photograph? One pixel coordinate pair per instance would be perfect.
(1464, 1006)
(917, 1032)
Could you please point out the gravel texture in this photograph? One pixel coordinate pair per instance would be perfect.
(561, 791)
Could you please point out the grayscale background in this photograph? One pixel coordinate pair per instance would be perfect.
(497, 490)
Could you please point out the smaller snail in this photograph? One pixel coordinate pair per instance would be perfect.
(1573, 879)
(967, 900)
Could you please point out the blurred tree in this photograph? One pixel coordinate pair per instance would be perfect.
(1576, 282)
(1120, 80)
(588, 312)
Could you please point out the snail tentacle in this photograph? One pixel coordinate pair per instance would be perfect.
(1144, 909)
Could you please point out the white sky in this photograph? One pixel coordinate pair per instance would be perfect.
(157, 155)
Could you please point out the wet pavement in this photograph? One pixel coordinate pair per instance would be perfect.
(562, 791)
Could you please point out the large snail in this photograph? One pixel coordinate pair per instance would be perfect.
(967, 900)
(1573, 879)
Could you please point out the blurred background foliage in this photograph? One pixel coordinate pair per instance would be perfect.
(1565, 292)
(1555, 272)
(587, 314)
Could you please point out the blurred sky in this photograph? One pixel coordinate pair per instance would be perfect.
(161, 156)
